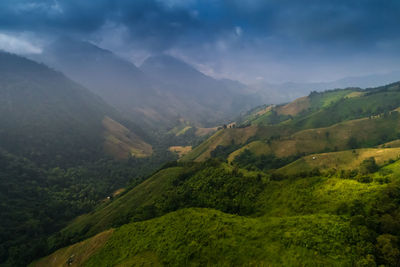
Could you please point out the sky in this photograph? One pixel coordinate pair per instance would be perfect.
(247, 40)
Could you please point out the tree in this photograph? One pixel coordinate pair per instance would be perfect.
(352, 143)
(368, 166)
(387, 248)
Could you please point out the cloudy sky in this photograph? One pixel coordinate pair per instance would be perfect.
(249, 40)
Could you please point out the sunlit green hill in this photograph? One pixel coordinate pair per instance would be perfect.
(297, 191)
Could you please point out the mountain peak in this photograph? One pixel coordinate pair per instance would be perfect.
(167, 63)
(72, 46)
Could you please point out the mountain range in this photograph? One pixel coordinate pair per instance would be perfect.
(159, 93)
(311, 182)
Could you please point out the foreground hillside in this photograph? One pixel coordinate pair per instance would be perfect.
(201, 237)
(312, 219)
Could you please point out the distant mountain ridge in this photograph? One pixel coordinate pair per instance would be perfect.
(47, 117)
(159, 93)
(285, 92)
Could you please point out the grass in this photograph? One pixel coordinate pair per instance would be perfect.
(342, 160)
(180, 150)
(205, 237)
(121, 209)
(223, 137)
(122, 143)
(78, 253)
(313, 195)
(256, 147)
(296, 223)
(205, 131)
(295, 107)
(302, 220)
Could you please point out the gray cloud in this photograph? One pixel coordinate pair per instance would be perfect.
(286, 32)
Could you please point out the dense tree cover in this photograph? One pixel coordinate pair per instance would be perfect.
(329, 215)
(37, 202)
(222, 152)
(209, 185)
(250, 161)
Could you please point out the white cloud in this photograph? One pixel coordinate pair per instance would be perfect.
(17, 45)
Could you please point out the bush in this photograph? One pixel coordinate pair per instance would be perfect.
(368, 166)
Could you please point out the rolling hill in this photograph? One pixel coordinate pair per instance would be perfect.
(296, 190)
(327, 121)
(260, 220)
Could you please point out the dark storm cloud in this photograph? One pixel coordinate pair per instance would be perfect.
(162, 23)
(270, 36)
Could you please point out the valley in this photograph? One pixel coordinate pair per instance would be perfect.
(190, 133)
(294, 189)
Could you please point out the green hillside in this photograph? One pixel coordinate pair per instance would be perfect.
(336, 219)
(315, 184)
(342, 160)
(203, 237)
(328, 121)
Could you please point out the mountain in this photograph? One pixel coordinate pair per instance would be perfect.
(326, 121)
(62, 151)
(50, 119)
(288, 91)
(159, 94)
(201, 96)
(116, 80)
(311, 182)
(213, 213)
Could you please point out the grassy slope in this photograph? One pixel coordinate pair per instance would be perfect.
(316, 106)
(180, 150)
(223, 137)
(366, 132)
(201, 237)
(78, 253)
(256, 147)
(121, 143)
(342, 110)
(120, 210)
(295, 219)
(342, 160)
(296, 224)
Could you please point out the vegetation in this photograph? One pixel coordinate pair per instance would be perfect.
(54, 164)
(297, 184)
(45, 200)
(336, 219)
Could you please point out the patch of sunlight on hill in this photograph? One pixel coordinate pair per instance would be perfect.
(342, 160)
